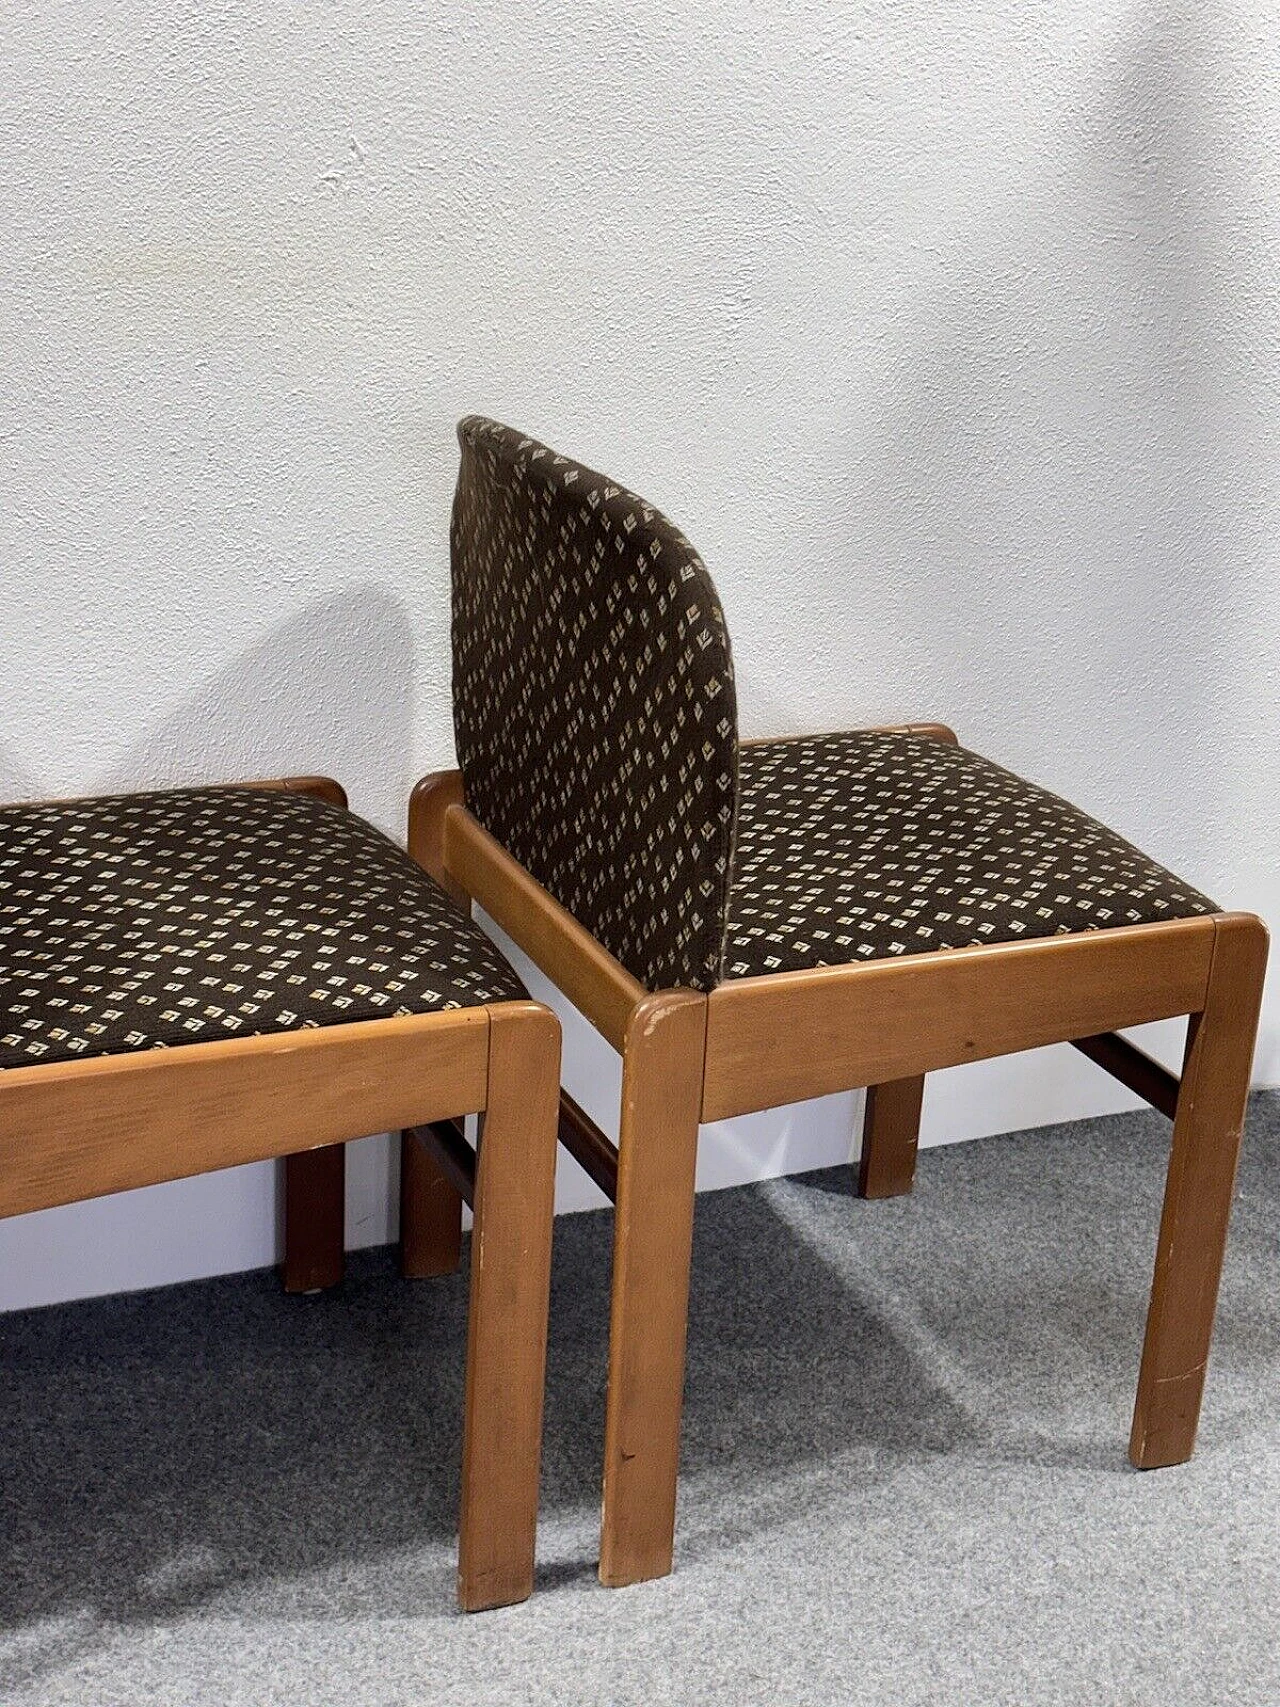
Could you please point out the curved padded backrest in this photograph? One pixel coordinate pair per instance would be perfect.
(593, 702)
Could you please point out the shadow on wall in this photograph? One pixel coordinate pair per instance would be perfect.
(16, 781)
(1049, 512)
(329, 691)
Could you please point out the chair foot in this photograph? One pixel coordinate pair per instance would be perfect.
(890, 1135)
(507, 1323)
(430, 1215)
(1207, 1129)
(314, 1206)
(653, 1234)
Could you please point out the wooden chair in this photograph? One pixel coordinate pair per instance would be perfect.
(750, 925)
(197, 978)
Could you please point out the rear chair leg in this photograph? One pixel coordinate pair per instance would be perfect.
(430, 1215)
(430, 1208)
(1197, 1203)
(653, 1233)
(314, 1207)
(315, 1180)
(507, 1324)
(890, 1134)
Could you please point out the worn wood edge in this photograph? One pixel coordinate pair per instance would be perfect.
(891, 1019)
(656, 1185)
(597, 985)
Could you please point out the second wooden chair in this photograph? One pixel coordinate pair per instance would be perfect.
(751, 924)
(198, 978)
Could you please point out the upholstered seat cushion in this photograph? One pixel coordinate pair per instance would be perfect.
(858, 846)
(151, 920)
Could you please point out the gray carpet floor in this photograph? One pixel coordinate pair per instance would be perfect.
(904, 1472)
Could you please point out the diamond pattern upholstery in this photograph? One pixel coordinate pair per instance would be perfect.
(596, 727)
(594, 701)
(151, 920)
(859, 846)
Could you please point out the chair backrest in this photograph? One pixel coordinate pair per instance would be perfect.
(593, 702)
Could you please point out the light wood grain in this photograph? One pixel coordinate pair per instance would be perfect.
(72, 1130)
(552, 938)
(804, 1034)
(1207, 1129)
(322, 787)
(507, 1326)
(653, 1232)
(768, 1041)
(82, 1129)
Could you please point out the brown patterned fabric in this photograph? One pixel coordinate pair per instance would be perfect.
(152, 920)
(594, 701)
(858, 846)
(596, 724)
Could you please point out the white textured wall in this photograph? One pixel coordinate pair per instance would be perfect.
(948, 330)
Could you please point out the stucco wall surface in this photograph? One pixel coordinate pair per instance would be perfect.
(947, 330)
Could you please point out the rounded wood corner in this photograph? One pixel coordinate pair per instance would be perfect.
(436, 792)
(1244, 927)
(530, 1016)
(320, 787)
(430, 800)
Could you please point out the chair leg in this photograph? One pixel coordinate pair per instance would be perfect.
(1201, 1182)
(890, 1133)
(430, 1209)
(430, 1215)
(314, 1207)
(653, 1231)
(507, 1325)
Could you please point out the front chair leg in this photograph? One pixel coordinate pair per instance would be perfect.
(1197, 1204)
(653, 1234)
(890, 1134)
(314, 1210)
(507, 1324)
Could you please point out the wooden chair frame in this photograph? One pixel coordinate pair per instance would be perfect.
(75, 1130)
(756, 1043)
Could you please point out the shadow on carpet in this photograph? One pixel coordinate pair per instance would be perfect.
(903, 1471)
